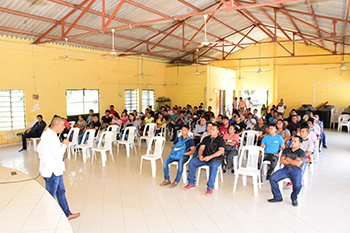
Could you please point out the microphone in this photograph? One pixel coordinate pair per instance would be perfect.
(65, 136)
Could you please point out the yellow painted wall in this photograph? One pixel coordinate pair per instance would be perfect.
(33, 69)
(293, 78)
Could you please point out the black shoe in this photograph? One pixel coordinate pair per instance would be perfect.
(232, 171)
(19, 134)
(173, 139)
(325, 147)
(295, 203)
(22, 150)
(268, 177)
(273, 200)
(224, 170)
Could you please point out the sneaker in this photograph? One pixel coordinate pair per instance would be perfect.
(295, 203)
(209, 192)
(289, 185)
(273, 200)
(189, 186)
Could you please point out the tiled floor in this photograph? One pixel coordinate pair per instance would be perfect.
(118, 199)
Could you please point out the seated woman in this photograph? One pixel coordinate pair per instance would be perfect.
(231, 148)
(261, 127)
(81, 124)
(124, 117)
(161, 123)
(116, 120)
(132, 121)
(282, 131)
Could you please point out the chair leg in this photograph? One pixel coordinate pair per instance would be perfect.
(216, 183)
(84, 151)
(92, 157)
(235, 183)
(198, 174)
(34, 143)
(117, 148)
(259, 179)
(133, 145)
(111, 153)
(103, 158)
(306, 178)
(244, 180)
(141, 165)
(68, 150)
(184, 174)
(255, 185)
(235, 165)
(127, 146)
(221, 174)
(153, 167)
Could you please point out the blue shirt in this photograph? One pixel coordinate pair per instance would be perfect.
(272, 143)
(271, 119)
(189, 143)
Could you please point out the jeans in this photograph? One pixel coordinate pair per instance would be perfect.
(323, 139)
(54, 185)
(304, 167)
(28, 135)
(180, 167)
(80, 138)
(273, 162)
(213, 170)
(294, 174)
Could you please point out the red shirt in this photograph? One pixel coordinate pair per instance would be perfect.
(112, 112)
(223, 129)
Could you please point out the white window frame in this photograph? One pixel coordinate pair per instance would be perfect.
(148, 98)
(9, 110)
(84, 102)
(131, 104)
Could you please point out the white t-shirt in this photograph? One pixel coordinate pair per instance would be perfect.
(250, 124)
(280, 108)
(249, 104)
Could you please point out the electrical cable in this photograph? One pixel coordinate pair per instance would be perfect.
(18, 181)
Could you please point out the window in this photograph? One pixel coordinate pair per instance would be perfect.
(148, 97)
(12, 110)
(81, 101)
(131, 100)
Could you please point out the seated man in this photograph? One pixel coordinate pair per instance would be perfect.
(95, 124)
(34, 132)
(255, 115)
(209, 113)
(186, 156)
(293, 126)
(250, 121)
(210, 153)
(106, 120)
(111, 110)
(219, 120)
(177, 124)
(272, 144)
(200, 129)
(293, 159)
(240, 125)
(90, 116)
(224, 127)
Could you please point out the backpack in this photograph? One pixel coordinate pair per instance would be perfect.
(179, 149)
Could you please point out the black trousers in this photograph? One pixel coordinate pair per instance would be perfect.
(28, 135)
(273, 162)
(174, 129)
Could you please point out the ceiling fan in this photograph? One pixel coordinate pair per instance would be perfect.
(342, 66)
(197, 72)
(260, 71)
(240, 77)
(142, 74)
(205, 42)
(112, 52)
(66, 58)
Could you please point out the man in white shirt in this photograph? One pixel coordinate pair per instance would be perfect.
(281, 107)
(51, 152)
(249, 104)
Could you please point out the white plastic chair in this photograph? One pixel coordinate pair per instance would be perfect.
(335, 113)
(343, 120)
(251, 169)
(157, 153)
(71, 146)
(106, 140)
(149, 128)
(266, 162)
(190, 134)
(131, 131)
(72, 123)
(206, 167)
(86, 148)
(162, 132)
(115, 129)
(35, 143)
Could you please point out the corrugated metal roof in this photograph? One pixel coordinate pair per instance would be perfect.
(16, 24)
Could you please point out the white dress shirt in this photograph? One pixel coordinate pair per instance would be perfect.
(51, 152)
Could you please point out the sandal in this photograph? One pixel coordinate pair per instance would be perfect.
(165, 182)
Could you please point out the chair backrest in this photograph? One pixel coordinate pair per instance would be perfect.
(250, 136)
(158, 147)
(150, 127)
(344, 118)
(75, 132)
(162, 131)
(190, 134)
(90, 133)
(253, 156)
(115, 129)
(131, 132)
(106, 138)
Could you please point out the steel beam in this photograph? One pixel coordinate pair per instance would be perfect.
(104, 26)
(166, 36)
(239, 42)
(309, 3)
(62, 20)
